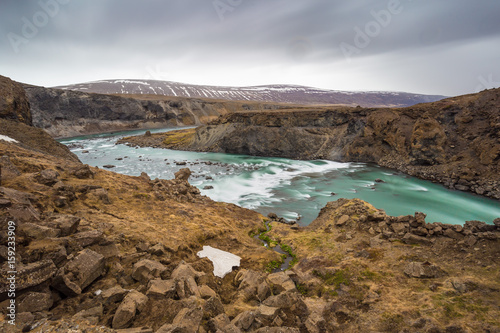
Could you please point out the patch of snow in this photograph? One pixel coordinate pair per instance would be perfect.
(98, 81)
(175, 94)
(6, 138)
(223, 261)
(185, 90)
(131, 81)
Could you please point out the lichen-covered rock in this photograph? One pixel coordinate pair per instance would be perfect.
(133, 303)
(29, 275)
(36, 231)
(206, 292)
(249, 282)
(280, 282)
(79, 273)
(83, 172)
(8, 169)
(161, 288)
(213, 307)
(68, 224)
(223, 324)
(101, 194)
(187, 320)
(183, 174)
(266, 314)
(424, 270)
(34, 302)
(288, 302)
(47, 177)
(87, 238)
(146, 270)
(244, 320)
(278, 330)
(114, 294)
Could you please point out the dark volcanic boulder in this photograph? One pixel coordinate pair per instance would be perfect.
(424, 270)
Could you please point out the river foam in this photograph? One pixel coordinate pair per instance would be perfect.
(287, 187)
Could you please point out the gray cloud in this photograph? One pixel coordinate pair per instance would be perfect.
(439, 46)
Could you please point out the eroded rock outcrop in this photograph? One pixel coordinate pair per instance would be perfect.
(14, 104)
(64, 113)
(70, 113)
(453, 141)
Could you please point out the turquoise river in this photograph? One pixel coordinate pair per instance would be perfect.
(290, 188)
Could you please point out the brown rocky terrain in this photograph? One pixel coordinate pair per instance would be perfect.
(455, 141)
(97, 251)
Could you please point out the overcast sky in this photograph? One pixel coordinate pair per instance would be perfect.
(447, 47)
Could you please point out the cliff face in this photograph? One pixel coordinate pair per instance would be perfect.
(64, 113)
(455, 141)
(15, 116)
(293, 134)
(69, 113)
(14, 104)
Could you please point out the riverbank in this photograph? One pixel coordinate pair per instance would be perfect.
(453, 141)
(133, 242)
(293, 188)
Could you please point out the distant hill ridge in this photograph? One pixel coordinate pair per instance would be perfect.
(268, 93)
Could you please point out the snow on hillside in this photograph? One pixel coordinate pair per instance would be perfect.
(269, 93)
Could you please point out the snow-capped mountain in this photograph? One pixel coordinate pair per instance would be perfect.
(269, 93)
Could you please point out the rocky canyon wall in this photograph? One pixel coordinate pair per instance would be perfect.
(455, 141)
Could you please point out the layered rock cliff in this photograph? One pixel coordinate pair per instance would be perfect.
(64, 113)
(455, 141)
(69, 113)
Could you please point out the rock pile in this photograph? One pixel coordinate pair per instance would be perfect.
(61, 258)
(178, 189)
(409, 229)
